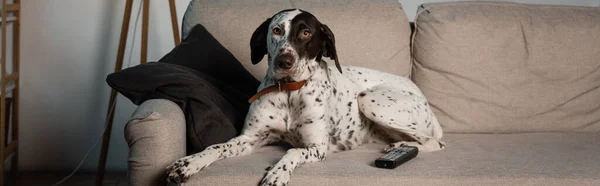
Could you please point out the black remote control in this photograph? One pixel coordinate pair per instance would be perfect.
(397, 157)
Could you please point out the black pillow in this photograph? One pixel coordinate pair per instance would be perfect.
(203, 78)
(202, 52)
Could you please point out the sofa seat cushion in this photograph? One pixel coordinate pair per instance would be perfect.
(469, 159)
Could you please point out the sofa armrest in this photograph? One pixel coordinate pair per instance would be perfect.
(156, 138)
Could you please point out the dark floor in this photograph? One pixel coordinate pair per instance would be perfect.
(51, 178)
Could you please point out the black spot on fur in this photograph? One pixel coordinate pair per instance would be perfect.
(318, 100)
(362, 94)
(341, 147)
(349, 143)
(270, 117)
(373, 114)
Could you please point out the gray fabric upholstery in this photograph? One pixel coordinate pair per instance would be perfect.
(373, 34)
(469, 159)
(509, 67)
(156, 138)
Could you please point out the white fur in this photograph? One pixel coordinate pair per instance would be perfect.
(280, 42)
(333, 112)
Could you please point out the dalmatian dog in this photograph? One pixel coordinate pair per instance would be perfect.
(330, 109)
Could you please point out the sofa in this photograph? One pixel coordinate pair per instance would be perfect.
(516, 88)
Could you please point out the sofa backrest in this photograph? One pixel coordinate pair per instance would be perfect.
(373, 34)
(508, 67)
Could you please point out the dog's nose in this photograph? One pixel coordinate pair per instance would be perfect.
(285, 61)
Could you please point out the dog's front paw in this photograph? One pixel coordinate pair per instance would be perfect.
(276, 176)
(181, 170)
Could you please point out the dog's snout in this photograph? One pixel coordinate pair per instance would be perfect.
(285, 61)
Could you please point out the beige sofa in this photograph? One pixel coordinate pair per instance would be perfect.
(516, 88)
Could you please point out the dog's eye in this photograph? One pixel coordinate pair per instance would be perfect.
(276, 31)
(305, 34)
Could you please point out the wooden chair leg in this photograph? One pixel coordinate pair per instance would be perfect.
(174, 22)
(113, 94)
(145, 17)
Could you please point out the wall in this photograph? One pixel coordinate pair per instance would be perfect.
(68, 47)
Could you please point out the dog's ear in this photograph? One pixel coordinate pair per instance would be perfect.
(258, 42)
(328, 46)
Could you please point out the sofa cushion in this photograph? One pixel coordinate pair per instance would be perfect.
(469, 159)
(373, 34)
(508, 67)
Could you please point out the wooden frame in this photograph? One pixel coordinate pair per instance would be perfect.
(7, 149)
(119, 65)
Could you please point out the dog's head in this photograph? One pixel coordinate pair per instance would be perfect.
(294, 41)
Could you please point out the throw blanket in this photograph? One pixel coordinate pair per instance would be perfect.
(203, 78)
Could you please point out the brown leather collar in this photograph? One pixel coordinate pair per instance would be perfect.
(281, 85)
